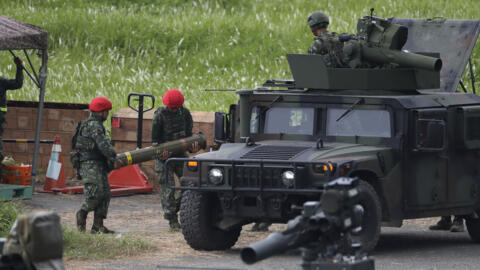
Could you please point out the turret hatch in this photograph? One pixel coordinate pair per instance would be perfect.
(453, 39)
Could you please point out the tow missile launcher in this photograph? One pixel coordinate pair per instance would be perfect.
(154, 152)
(379, 41)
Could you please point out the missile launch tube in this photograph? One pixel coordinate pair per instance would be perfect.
(382, 55)
(154, 152)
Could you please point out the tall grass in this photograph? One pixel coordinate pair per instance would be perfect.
(114, 47)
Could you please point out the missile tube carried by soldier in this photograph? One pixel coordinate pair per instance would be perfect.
(154, 152)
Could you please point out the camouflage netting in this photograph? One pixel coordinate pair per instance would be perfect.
(15, 35)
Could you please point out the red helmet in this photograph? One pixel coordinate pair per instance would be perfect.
(100, 104)
(173, 99)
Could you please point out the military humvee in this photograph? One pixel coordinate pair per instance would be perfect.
(405, 131)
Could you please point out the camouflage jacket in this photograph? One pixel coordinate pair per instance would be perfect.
(328, 45)
(10, 84)
(93, 144)
(169, 126)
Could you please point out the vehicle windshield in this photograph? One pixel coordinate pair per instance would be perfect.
(286, 120)
(367, 123)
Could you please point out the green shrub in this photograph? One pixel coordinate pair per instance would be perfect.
(8, 214)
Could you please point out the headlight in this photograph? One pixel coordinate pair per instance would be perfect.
(215, 176)
(288, 178)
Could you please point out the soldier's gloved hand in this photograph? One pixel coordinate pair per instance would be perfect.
(165, 155)
(18, 61)
(119, 164)
(346, 37)
(195, 147)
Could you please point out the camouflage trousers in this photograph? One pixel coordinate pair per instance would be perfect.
(96, 188)
(169, 198)
(2, 121)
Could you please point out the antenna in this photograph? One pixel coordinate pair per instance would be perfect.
(371, 13)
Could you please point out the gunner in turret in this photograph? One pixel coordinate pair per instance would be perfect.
(325, 43)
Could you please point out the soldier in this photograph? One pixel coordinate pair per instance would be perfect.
(6, 84)
(445, 224)
(325, 43)
(171, 123)
(96, 160)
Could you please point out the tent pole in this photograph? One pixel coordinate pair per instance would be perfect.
(42, 84)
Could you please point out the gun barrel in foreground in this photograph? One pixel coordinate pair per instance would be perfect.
(154, 152)
(275, 243)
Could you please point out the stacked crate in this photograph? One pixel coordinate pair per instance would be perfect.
(58, 119)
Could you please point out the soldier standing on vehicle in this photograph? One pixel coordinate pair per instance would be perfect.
(445, 224)
(96, 158)
(325, 43)
(171, 123)
(8, 84)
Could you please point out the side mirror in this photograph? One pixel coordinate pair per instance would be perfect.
(430, 134)
(220, 136)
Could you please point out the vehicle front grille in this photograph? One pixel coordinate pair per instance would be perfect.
(274, 152)
(250, 177)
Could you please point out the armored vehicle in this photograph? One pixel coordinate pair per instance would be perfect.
(398, 124)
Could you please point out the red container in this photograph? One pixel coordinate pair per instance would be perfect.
(17, 175)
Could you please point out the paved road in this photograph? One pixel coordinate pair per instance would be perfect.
(411, 247)
(398, 249)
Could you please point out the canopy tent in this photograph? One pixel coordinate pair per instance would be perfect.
(15, 35)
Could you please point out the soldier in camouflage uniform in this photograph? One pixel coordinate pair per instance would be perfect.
(6, 84)
(96, 158)
(325, 43)
(171, 123)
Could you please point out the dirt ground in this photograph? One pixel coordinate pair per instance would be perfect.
(142, 215)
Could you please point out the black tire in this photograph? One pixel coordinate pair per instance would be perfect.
(371, 219)
(198, 212)
(473, 228)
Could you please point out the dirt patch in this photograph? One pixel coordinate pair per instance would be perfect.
(142, 216)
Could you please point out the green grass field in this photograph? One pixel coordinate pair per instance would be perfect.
(114, 47)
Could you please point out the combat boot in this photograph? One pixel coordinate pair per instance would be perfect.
(174, 225)
(261, 227)
(443, 225)
(457, 225)
(98, 226)
(172, 221)
(81, 220)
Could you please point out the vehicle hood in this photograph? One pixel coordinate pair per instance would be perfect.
(293, 151)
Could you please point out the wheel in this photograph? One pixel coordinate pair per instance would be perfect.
(371, 219)
(473, 228)
(199, 212)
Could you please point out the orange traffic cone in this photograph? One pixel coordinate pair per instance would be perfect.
(55, 177)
